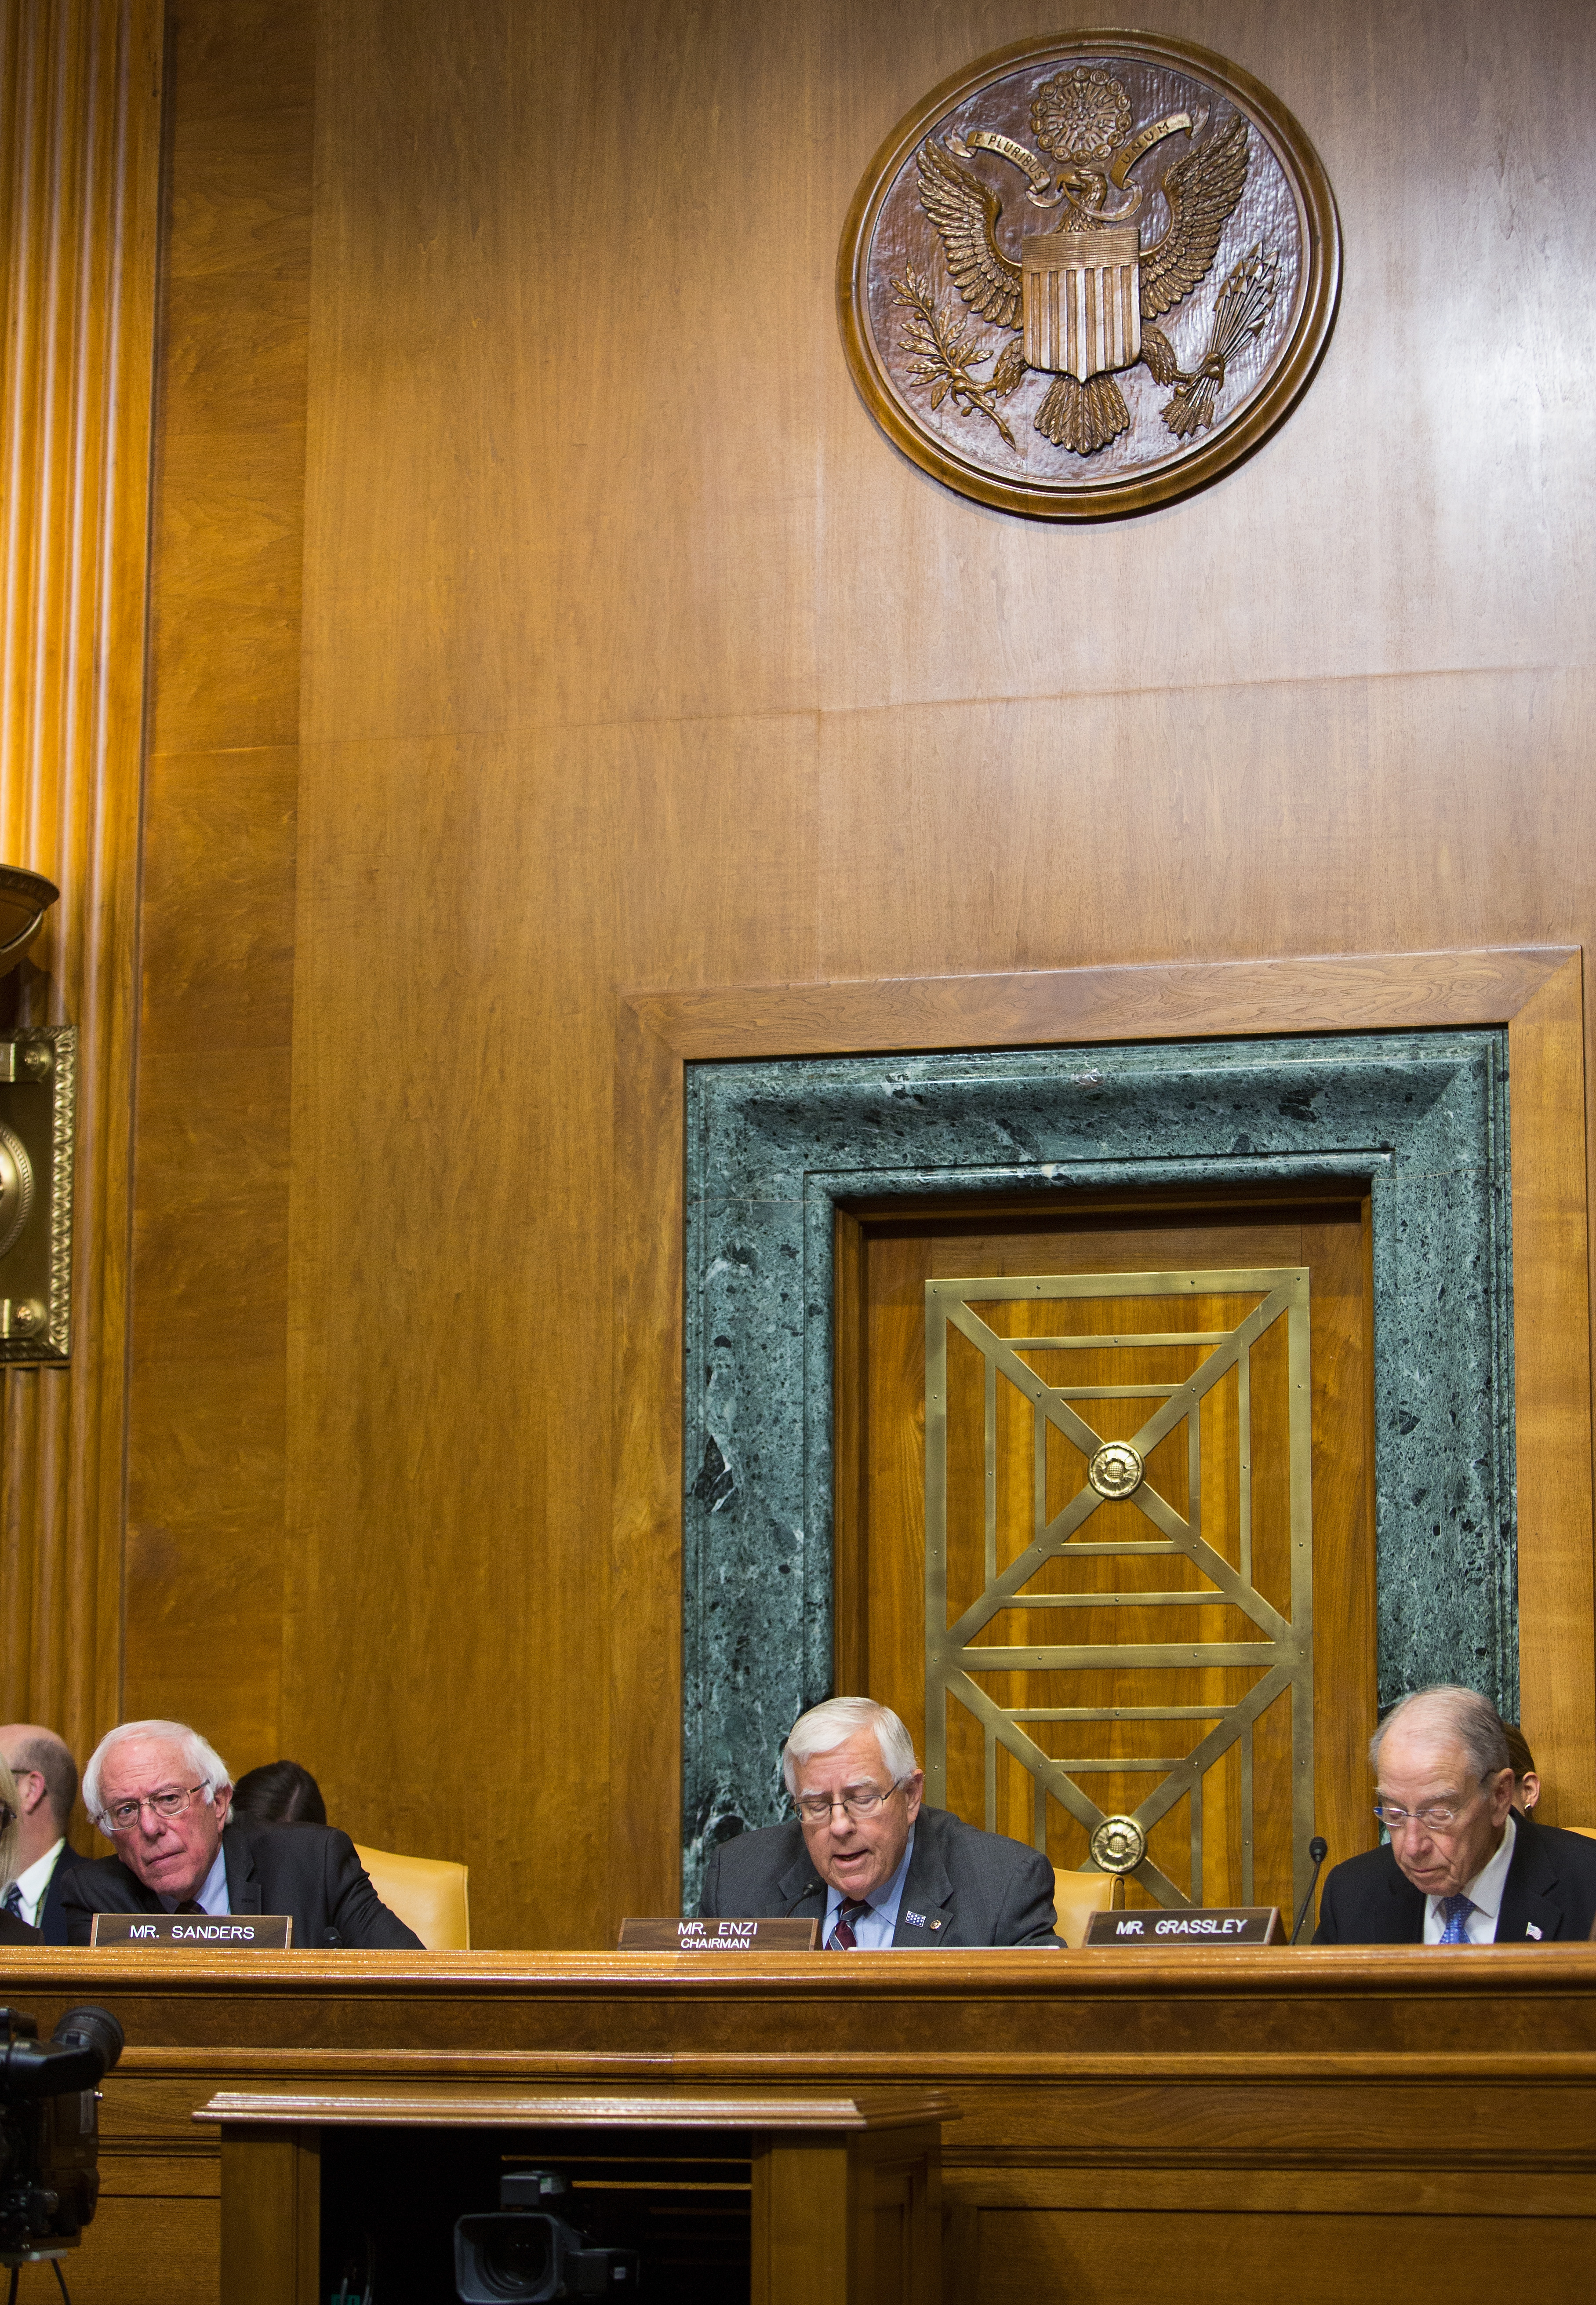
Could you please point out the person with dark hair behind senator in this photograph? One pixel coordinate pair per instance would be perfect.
(279, 1792)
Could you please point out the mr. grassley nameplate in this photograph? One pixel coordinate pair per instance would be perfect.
(197, 1932)
(1087, 274)
(1202, 1925)
(718, 1936)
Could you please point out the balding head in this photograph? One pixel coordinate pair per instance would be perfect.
(26, 1744)
(1447, 1715)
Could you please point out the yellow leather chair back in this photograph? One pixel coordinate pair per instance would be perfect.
(427, 1892)
(1076, 1896)
(1589, 1830)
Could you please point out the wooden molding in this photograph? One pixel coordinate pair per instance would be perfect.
(1534, 990)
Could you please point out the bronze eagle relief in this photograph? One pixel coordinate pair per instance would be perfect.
(1088, 274)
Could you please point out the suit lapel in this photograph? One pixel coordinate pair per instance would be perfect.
(801, 1889)
(1527, 1910)
(924, 1919)
(243, 1886)
(1407, 1909)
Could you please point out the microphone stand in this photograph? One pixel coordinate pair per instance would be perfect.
(1318, 1850)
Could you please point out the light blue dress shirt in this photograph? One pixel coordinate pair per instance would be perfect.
(211, 1896)
(873, 1930)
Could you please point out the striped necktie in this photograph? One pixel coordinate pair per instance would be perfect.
(1455, 1912)
(13, 1901)
(842, 1938)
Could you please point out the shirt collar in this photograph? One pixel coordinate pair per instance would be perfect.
(211, 1895)
(36, 1880)
(884, 1900)
(1484, 1892)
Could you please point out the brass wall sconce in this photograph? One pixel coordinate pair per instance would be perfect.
(37, 1096)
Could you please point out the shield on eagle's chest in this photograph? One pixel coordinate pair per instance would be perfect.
(1082, 299)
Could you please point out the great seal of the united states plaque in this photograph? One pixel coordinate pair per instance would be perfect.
(1088, 274)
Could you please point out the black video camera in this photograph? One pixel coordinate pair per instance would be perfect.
(49, 2130)
(527, 2251)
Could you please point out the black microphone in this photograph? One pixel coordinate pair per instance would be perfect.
(1318, 1850)
(808, 1887)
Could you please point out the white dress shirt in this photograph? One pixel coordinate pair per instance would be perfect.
(33, 1885)
(1484, 1893)
(211, 1895)
(873, 1930)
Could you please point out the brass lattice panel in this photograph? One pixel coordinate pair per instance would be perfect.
(1281, 1654)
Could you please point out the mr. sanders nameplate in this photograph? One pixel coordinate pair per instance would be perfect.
(1087, 274)
(197, 1932)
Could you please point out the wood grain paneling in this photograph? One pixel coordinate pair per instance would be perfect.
(205, 1562)
(80, 114)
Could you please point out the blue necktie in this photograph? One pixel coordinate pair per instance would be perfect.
(1455, 1912)
(13, 1901)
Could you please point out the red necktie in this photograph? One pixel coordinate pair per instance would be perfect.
(842, 1938)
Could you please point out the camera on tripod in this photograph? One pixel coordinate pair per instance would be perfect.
(49, 2130)
(528, 2251)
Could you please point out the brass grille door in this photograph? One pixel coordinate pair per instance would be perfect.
(1119, 1573)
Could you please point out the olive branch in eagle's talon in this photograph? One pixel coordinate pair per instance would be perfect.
(942, 350)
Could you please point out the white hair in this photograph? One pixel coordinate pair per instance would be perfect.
(198, 1758)
(824, 1727)
(8, 1839)
(1451, 1712)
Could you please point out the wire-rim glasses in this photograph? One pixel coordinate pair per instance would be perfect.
(855, 1802)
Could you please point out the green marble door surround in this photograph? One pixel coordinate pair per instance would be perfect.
(1419, 1118)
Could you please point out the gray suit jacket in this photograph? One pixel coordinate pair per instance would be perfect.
(963, 1887)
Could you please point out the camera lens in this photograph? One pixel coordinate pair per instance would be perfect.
(516, 2264)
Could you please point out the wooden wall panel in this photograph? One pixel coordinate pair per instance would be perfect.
(80, 115)
(205, 1565)
(630, 654)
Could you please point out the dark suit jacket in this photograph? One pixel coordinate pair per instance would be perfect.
(1550, 1889)
(963, 1887)
(52, 1912)
(308, 1870)
(13, 1932)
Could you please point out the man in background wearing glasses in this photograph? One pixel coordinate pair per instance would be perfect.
(1460, 1868)
(868, 1859)
(162, 1794)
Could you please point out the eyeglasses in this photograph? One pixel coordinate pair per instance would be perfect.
(120, 1815)
(858, 1801)
(8, 1817)
(1441, 1816)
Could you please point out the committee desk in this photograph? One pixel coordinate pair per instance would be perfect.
(1215, 2125)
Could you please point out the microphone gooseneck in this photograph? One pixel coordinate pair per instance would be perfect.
(1319, 1849)
(807, 1890)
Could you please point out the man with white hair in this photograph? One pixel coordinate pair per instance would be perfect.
(1460, 1867)
(867, 1857)
(162, 1796)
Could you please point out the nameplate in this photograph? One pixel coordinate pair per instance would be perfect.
(720, 1936)
(197, 1932)
(1202, 1924)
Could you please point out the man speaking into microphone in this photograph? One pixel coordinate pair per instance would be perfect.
(1460, 1867)
(866, 1858)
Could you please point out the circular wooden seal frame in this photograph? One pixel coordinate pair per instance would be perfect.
(1286, 210)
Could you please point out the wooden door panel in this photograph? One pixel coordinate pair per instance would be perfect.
(991, 1517)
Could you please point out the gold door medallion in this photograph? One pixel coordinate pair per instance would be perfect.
(1087, 274)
